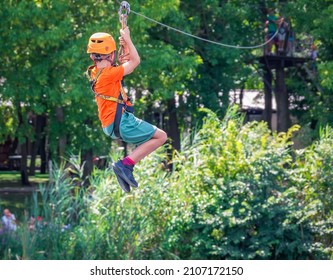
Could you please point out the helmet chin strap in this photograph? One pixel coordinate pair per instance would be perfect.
(96, 57)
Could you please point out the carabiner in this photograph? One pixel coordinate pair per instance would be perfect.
(123, 12)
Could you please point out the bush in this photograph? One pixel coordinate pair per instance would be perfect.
(236, 201)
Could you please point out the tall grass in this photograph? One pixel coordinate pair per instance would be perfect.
(236, 192)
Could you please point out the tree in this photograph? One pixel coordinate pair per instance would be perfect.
(43, 66)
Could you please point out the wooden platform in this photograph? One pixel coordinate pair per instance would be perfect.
(277, 61)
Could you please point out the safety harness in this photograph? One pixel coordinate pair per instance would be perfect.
(121, 100)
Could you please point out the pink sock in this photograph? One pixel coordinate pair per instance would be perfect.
(128, 161)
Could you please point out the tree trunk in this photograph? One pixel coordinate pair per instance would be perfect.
(42, 148)
(36, 144)
(87, 160)
(241, 97)
(23, 165)
(268, 97)
(282, 101)
(13, 146)
(62, 138)
(172, 130)
(172, 125)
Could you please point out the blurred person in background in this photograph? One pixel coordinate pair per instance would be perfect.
(8, 221)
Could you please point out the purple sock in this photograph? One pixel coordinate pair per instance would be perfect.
(128, 161)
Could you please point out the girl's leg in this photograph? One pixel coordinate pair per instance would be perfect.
(148, 147)
(124, 168)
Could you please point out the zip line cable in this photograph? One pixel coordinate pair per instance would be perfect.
(206, 40)
(203, 39)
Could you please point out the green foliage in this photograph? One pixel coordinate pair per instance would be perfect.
(236, 192)
(7, 123)
(235, 189)
(313, 178)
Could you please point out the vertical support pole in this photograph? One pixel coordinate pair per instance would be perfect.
(282, 100)
(268, 96)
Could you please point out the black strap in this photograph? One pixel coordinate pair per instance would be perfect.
(119, 113)
(117, 119)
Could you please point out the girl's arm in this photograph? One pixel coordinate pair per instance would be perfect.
(134, 58)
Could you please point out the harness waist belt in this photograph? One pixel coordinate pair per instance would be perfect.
(109, 98)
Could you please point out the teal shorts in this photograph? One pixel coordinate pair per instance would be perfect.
(132, 130)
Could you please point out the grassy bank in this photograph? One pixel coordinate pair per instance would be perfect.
(13, 179)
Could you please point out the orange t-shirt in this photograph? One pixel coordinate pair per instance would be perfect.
(108, 84)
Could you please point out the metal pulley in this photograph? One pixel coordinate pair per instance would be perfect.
(123, 12)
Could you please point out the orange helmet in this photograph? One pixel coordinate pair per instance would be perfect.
(101, 43)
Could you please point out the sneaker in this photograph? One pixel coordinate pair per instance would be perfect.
(126, 188)
(125, 172)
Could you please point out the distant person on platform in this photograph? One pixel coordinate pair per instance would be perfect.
(283, 29)
(271, 23)
(8, 221)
